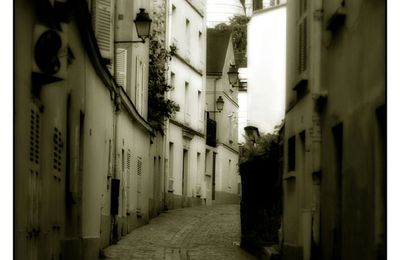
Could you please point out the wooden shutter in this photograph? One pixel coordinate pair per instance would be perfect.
(121, 66)
(128, 179)
(302, 60)
(139, 79)
(102, 14)
(34, 185)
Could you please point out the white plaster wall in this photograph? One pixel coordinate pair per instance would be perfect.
(133, 137)
(242, 115)
(196, 145)
(98, 128)
(226, 177)
(193, 109)
(266, 52)
(125, 30)
(190, 39)
(187, 38)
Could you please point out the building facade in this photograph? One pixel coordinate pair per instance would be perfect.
(266, 52)
(184, 141)
(83, 143)
(222, 125)
(335, 131)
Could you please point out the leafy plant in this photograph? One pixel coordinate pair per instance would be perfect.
(238, 26)
(160, 107)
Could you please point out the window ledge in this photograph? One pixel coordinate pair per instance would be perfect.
(301, 84)
(289, 175)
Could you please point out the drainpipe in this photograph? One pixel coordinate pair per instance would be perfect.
(316, 40)
(116, 106)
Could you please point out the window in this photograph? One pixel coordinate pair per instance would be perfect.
(139, 185)
(230, 117)
(200, 50)
(139, 79)
(292, 153)
(172, 83)
(198, 168)
(199, 106)
(102, 15)
(337, 133)
(188, 37)
(121, 62)
(302, 62)
(171, 160)
(187, 104)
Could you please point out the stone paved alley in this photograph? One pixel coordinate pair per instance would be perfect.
(206, 232)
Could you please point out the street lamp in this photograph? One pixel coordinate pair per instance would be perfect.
(142, 24)
(220, 105)
(233, 75)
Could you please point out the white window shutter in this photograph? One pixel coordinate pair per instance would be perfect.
(121, 66)
(302, 62)
(102, 14)
(139, 185)
(139, 84)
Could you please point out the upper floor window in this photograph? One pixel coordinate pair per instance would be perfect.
(139, 80)
(292, 153)
(187, 32)
(302, 42)
(102, 20)
(121, 62)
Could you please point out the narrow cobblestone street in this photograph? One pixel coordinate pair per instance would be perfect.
(211, 232)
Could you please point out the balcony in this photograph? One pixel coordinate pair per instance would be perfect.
(211, 133)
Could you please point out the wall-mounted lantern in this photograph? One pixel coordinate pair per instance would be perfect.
(233, 75)
(220, 105)
(142, 24)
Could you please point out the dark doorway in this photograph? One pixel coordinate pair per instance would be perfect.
(184, 172)
(213, 176)
(337, 132)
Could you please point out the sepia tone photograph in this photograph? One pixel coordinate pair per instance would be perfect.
(200, 129)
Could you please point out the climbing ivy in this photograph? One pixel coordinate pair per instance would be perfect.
(160, 107)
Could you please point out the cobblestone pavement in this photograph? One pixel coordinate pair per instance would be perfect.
(205, 232)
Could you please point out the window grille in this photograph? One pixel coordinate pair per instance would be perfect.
(34, 137)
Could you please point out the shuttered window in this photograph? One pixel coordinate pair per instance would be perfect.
(102, 19)
(139, 79)
(121, 66)
(139, 185)
(33, 182)
(302, 59)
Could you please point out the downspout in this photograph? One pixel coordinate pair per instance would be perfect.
(215, 99)
(116, 106)
(317, 13)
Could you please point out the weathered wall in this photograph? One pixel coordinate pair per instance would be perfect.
(354, 76)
